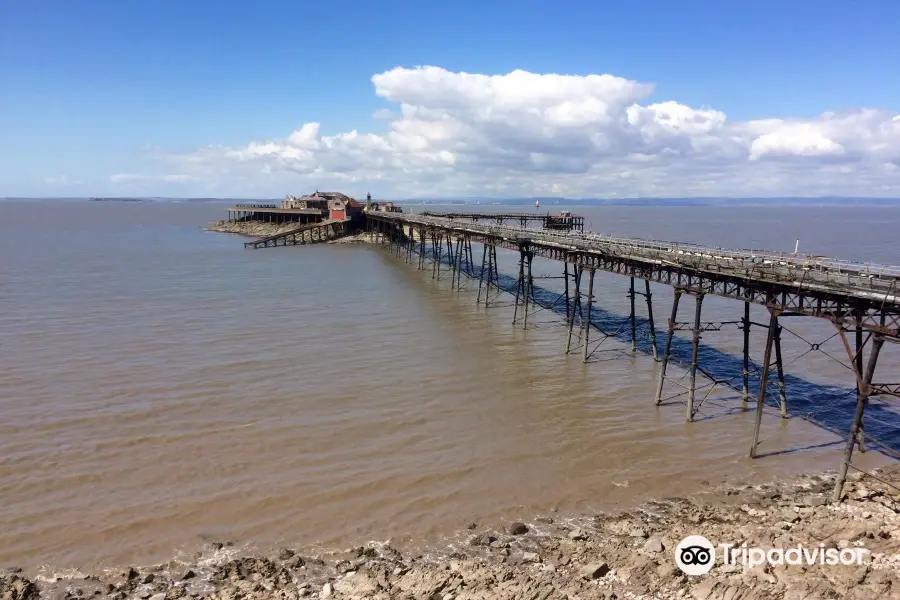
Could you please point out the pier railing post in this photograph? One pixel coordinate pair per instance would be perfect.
(586, 323)
(695, 348)
(668, 349)
(764, 379)
(861, 400)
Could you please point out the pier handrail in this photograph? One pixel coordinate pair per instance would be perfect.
(255, 206)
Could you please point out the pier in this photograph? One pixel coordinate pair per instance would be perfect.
(271, 213)
(564, 221)
(324, 231)
(861, 301)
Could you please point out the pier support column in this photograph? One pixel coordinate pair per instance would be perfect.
(529, 285)
(745, 384)
(566, 280)
(764, 379)
(578, 270)
(632, 316)
(422, 249)
(649, 297)
(665, 360)
(861, 400)
(520, 283)
(782, 391)
(483, 267)
(586, 323)
(695, 348)
(858, 361)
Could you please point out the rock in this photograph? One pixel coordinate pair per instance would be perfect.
(132, 574)
(666, 570)
(189, 574)
(594, 570)
(577, 534)
(482, 539)
(471, 526)
(518, 528)
(814, 500)
(531, 557)
(638, 533)
(285, 553)
(148, 578)
(545, 520)
(327, 590)
(158, 597)
(653, 545)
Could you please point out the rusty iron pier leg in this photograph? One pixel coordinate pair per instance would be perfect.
(632, 317)
(649, 297)
(481, 277)
(764, 379)
(860, 438)
(520, 283)
(745, 385)
(577, 277)
(779, 365)
(586, 325)
(861, 400)
(492, 270)
(665, 360)
(695, 348)
(529, 286)
(566, 280)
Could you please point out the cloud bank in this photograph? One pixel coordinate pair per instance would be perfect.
(459, 134)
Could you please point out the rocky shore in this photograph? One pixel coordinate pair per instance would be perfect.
(610, 556)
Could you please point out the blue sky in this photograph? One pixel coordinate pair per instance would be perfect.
(131, 97)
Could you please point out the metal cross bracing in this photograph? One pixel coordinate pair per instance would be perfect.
(856, 298)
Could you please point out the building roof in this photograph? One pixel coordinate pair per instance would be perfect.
(354, 203)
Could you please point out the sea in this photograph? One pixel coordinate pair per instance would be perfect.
(162, 387)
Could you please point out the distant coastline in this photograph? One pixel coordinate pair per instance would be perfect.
(544, 200)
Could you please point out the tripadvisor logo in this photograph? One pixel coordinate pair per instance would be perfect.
(696, 555)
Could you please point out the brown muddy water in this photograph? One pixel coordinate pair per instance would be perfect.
(161, 386)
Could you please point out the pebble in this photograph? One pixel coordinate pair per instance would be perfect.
(577, 534)
(653, 545)
(594, 570)
(327, 590)
(531, 557)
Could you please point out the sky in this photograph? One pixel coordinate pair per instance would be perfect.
(449, 99)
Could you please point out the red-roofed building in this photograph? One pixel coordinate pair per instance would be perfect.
(343, 207)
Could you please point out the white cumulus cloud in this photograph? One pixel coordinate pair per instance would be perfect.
(596, 135)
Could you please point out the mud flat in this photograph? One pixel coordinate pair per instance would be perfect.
(610, 556)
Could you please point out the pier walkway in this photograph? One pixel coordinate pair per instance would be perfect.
(305, 234)
(859, 299)
(562, 222)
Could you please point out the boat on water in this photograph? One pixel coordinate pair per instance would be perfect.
(537, 203)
